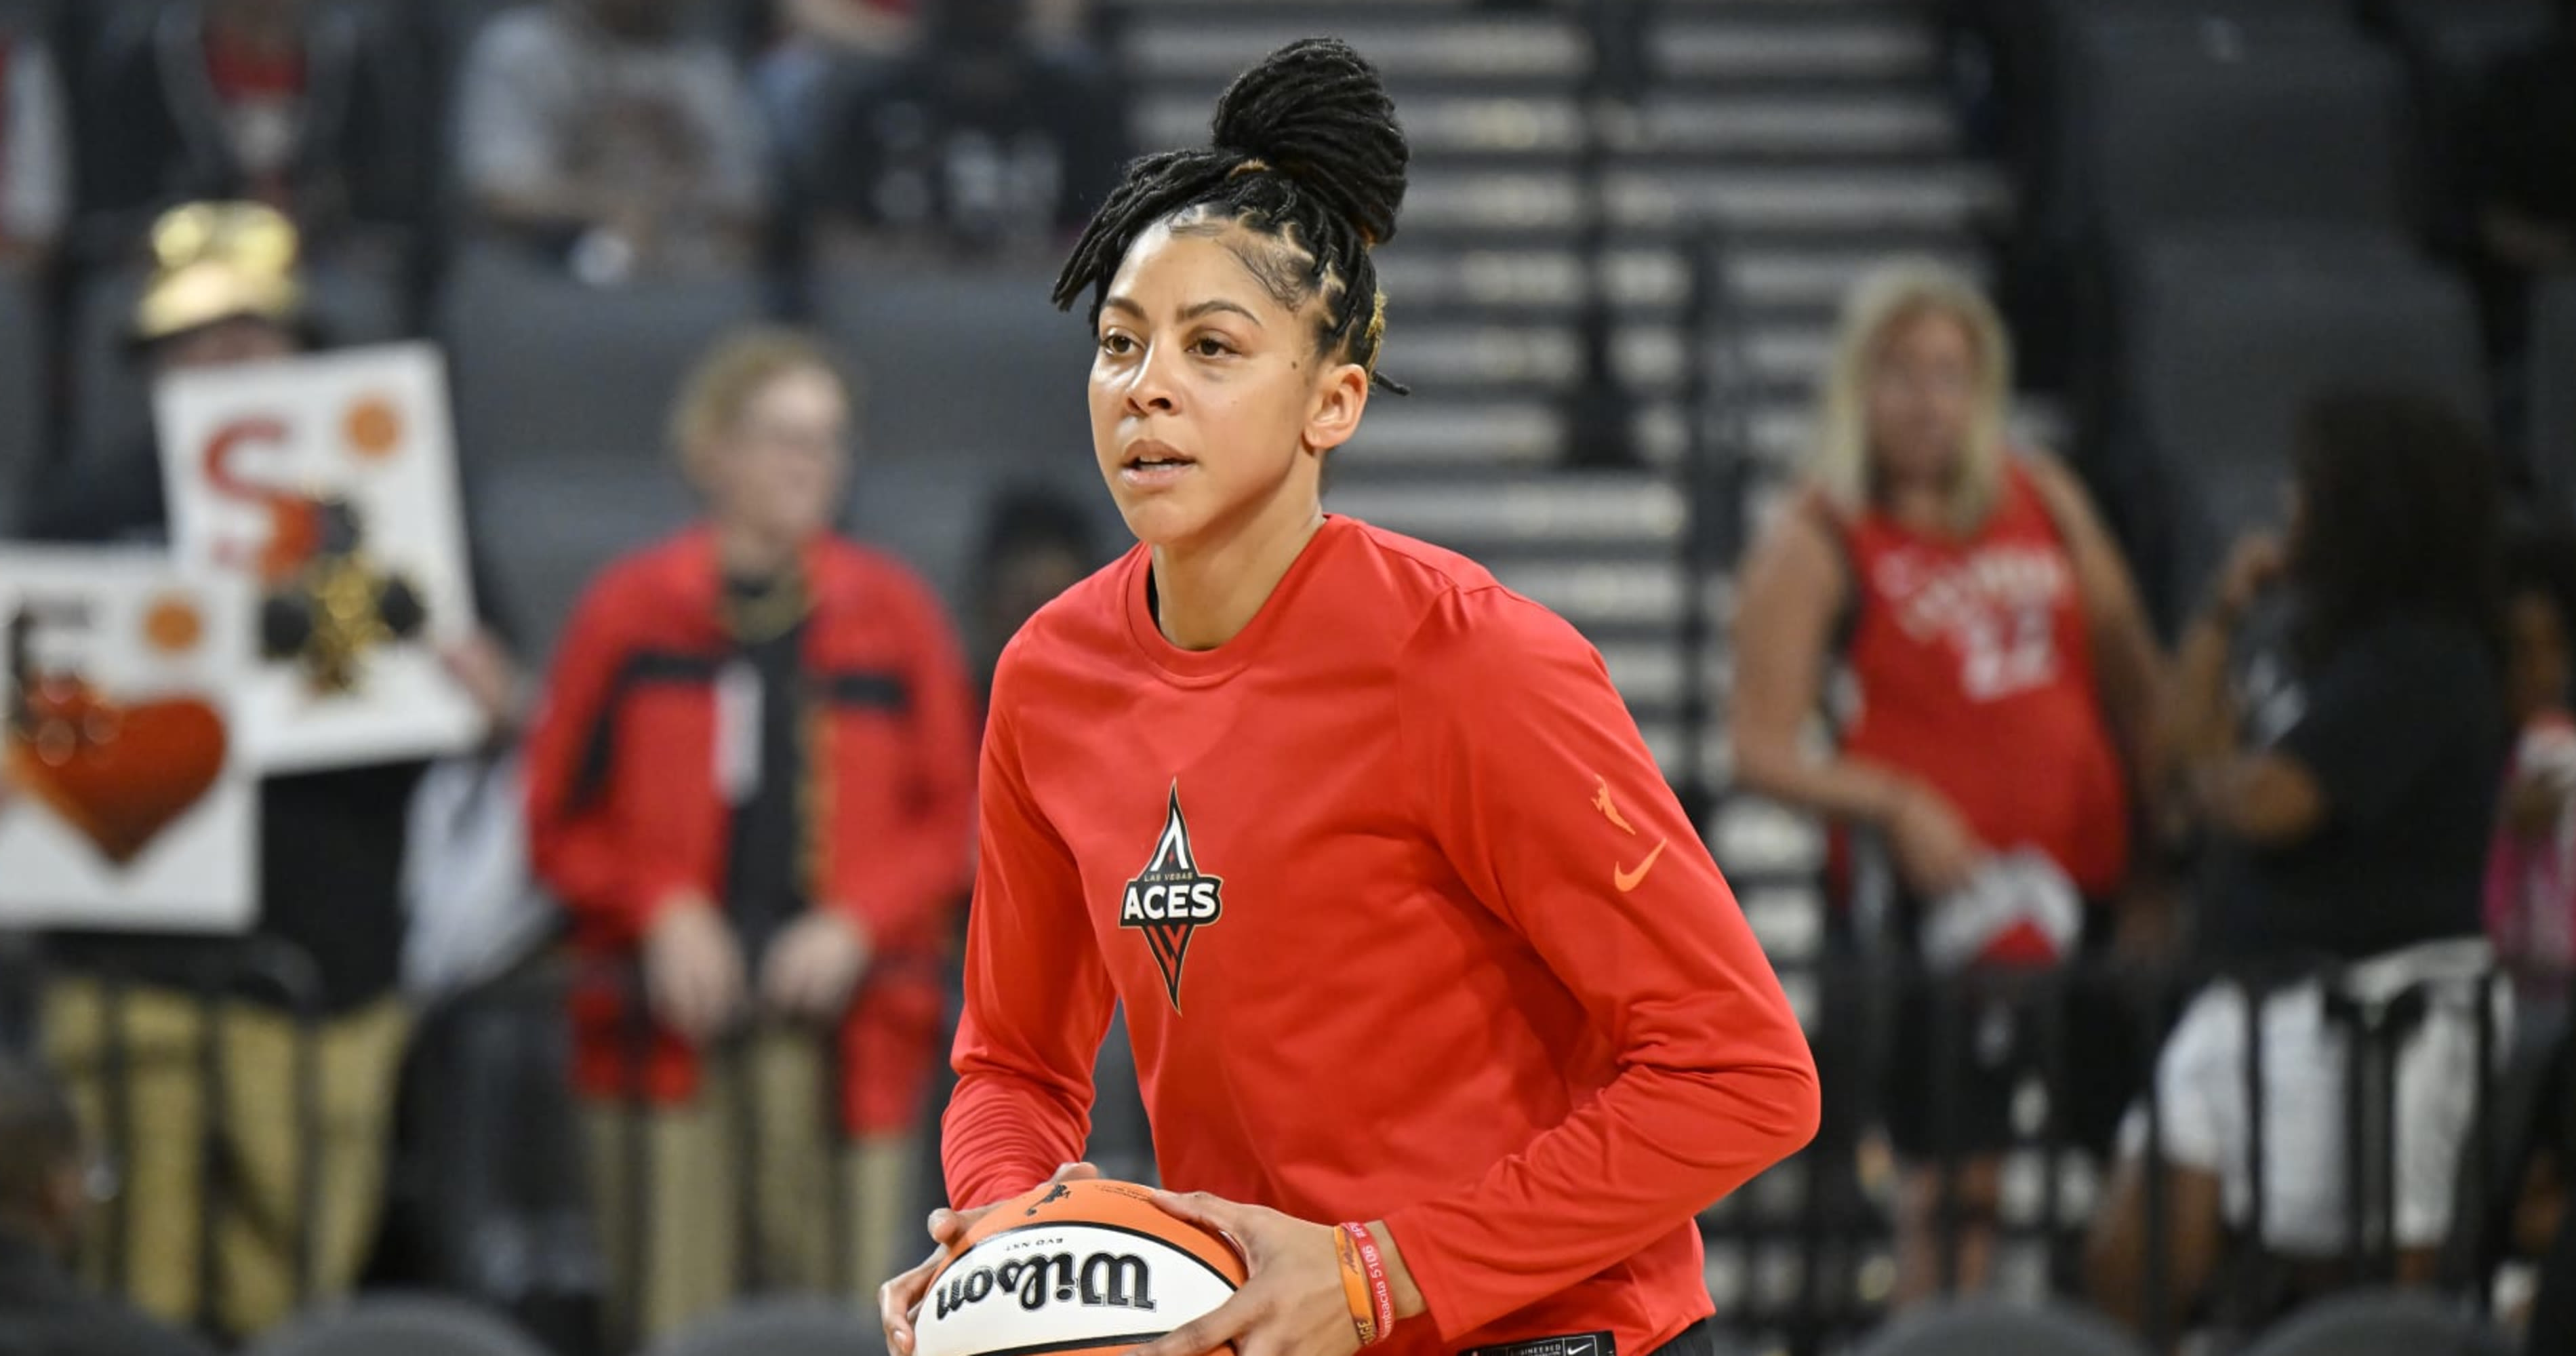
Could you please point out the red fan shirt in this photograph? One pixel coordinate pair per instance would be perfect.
(1407, 926)
(1975, 670)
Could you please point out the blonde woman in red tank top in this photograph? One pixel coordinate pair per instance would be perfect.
(2005, 673)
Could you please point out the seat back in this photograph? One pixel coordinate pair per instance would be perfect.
(780, 1327)
(1985, 1326)
(547, 367)
(23, 346)
(2553, 385)
(2229, 333)
(549, 524)
(2188, 117)
(398, 1325)
(2382, 1323)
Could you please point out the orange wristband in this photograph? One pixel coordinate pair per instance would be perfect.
(1355, 1287)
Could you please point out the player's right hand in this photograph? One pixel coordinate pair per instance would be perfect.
(899, 1300)
(693, 971)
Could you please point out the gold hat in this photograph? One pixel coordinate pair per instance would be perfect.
(215, 261)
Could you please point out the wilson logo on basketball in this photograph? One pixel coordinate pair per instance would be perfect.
(1102, 1280)
(1172, 899)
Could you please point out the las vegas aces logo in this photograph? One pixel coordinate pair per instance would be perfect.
(1171, 898)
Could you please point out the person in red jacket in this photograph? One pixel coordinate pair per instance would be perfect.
(1439, 1005)
(753, 774)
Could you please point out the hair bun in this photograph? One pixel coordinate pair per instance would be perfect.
(1316, 111)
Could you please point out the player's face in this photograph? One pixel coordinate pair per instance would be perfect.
(778, 472)
(1209, 403)
(1922, 397)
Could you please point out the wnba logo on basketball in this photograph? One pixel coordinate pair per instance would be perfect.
(1102, 1280)
(1172, 898)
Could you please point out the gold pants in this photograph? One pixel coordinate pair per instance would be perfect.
(252, 1140)
(689, 1241)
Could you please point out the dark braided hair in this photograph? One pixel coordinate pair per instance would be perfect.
(1304, 148)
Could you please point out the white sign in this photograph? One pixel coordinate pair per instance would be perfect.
(329, 483)
(125, 801)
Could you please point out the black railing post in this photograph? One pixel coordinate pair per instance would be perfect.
(2156, 1273)
(214, 1193)
(116, 1094)
(2257, 994)
(2481, 1144)
(736, 1058)
(1946, 1068)
(2057, 1008)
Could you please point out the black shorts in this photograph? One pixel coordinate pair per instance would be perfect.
(1699, 1339)
(1978, 1044)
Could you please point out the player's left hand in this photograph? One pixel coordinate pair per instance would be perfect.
(1292, 1303)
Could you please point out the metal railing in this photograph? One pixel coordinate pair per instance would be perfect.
(1830, 1225)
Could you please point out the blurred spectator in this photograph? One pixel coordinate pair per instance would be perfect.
(1037, 543)
(226, 291)
(600, 130)
(2341, 738)
(2005, 678)
(35, 154)
(47, 1181)
(286, 102)
(753, 777)
(817, 41)
(984, 135)
(2531, 869)
(880, 27)
(821, 41)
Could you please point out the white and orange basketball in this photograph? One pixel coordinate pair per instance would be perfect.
(1074, 1269)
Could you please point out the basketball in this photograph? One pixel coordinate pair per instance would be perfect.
(1073, 1269)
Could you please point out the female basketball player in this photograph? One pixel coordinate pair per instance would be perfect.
(1416, 947)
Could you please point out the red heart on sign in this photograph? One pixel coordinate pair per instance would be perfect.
(119, 774)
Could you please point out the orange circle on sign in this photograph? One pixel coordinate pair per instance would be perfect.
(373, 427)
(173, 625)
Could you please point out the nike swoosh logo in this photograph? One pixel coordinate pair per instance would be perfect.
(1628, 880)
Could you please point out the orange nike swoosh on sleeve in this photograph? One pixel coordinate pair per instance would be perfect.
(1629, 880)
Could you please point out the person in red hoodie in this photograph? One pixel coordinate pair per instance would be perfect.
(753, 776)
(1439, 1006)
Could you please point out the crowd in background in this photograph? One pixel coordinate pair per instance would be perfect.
(2357, 754)
(615, 136)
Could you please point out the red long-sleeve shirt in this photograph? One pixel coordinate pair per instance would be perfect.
(1407, 926)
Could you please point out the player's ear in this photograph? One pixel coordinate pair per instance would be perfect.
(1333, 415)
